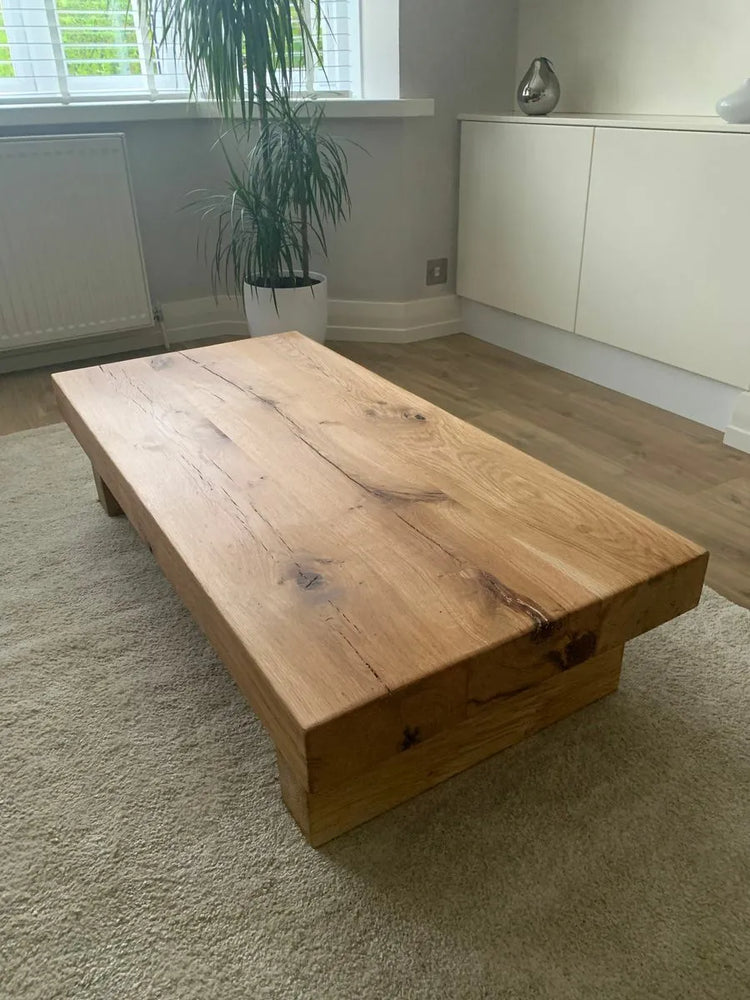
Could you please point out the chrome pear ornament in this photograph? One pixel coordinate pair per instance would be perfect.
(539, 91)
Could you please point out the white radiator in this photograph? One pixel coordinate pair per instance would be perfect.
(70, 255)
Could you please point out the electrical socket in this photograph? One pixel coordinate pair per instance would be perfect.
(437, 271)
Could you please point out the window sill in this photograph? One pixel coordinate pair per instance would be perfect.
(142, 111)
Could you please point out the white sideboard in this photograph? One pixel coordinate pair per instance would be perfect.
(522, 211)
(634, 235)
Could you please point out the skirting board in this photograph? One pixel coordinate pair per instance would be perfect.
(693, 396)
(394, 322)
(203, 319)
(384, 322)
(738, 432)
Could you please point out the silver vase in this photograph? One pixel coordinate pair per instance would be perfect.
(539, 91)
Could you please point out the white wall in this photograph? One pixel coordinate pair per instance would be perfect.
(674, 57)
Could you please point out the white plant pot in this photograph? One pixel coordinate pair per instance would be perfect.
(303, 309)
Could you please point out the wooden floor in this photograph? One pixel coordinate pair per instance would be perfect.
(671, 469)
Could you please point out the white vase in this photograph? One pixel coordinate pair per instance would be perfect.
(303, 309)
(735, 108)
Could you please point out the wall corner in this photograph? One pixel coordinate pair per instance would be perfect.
(737, 434)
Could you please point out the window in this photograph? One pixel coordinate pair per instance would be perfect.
(63, 51)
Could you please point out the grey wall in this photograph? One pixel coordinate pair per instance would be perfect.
(463, 55)
(639, 57)
(405, 192)
(404, 188)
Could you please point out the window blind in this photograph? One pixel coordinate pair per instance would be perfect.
(63, 51)
(338, 43)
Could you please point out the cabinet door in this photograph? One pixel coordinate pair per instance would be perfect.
(521, 217)
(666, 265)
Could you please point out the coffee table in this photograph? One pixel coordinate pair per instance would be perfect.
(397, 594)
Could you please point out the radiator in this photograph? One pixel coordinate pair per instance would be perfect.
(71, 264)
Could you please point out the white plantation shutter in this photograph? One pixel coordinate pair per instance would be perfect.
(60, 51)
(338, 41)
(63, 51)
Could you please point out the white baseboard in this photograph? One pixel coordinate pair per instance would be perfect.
(384, 322)
(204, 318)
(81, 349)
(192, 319)
(737, 434)
(379, 322)
(394, 322)
(693, 396)
(200, 319)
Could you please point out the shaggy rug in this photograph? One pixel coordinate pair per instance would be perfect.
(145, 851)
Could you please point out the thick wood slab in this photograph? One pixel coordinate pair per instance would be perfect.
(373, 571)
(503, 722)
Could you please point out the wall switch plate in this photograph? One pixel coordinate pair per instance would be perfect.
(437, 271)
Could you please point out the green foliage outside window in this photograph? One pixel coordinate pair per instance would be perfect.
(99, 37)
(6, 67)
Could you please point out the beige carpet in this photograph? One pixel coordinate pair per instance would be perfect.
(146, 853)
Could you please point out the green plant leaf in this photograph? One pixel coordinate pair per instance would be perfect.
(247, 55)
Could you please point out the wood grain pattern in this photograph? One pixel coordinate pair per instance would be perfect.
(671, 469)
(666, 467)
(373, 571)
(494, 727)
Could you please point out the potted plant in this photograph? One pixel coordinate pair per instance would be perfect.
(247, 56)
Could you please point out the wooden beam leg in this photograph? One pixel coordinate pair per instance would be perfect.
(296, 798)
(324, 815)
(106, 499)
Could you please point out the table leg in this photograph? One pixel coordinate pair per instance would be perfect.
(106, 499)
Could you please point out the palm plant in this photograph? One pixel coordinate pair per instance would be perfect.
(239, 52)
(278, 204)
(247, 56)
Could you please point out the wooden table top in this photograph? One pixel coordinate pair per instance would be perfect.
(354, 539)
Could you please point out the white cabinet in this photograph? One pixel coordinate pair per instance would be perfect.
(642, 243)
(666, 264)
(522, 213)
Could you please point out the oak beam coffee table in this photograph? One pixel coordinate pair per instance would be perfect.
(397, 594)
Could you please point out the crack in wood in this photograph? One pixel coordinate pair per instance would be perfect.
(169, 426)
(243, 518)
(150, 412)
(382, 493)
(212, 371)
(502, 696)
(429, 538)
(172, 429)
(411, 496)
(362, 659)
(379, 492)
(347, 619)
(544, 626)
(351, 645)
(307, 580)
